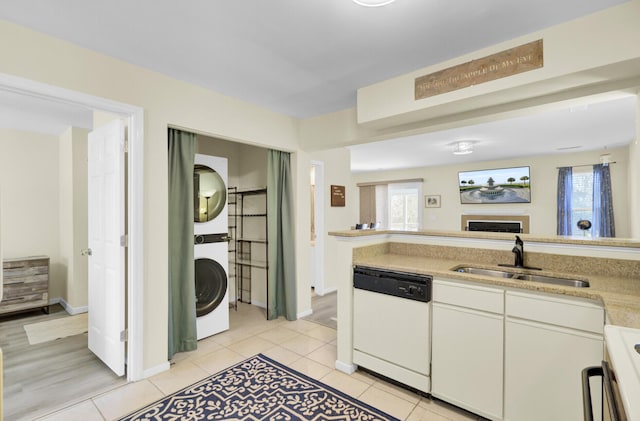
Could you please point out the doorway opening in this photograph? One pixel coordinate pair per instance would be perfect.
(134, 168)
(323, 301)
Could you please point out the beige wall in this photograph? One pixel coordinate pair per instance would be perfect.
(443, 180)
(578, 61)
(73, 216)
(29, 173)
(169, 102)
(634, 180)
(337, 171)
(571, 51)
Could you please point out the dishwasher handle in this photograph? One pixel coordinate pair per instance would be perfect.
(604, 372)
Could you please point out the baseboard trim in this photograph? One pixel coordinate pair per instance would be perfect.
(345, 368)
(156, 370)
(258, 304)
(327, 291)
(67, 307)
(305, 313)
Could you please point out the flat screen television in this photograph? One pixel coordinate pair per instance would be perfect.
(500, 185)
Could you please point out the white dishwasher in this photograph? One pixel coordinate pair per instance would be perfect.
(392, 325)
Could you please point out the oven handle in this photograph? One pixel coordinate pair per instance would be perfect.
(604, 372)
(587, 373)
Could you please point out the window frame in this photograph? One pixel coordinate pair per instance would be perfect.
(417, 186)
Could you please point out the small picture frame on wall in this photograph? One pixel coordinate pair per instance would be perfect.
(337, 195)
(432, 201)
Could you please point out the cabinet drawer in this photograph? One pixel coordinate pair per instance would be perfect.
(571, 313)
(19, 289)
(26, 302)
(26, 284)
(24, 264)
(469, 296)
(20, 280)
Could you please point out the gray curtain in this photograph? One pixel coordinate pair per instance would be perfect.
(182, 301)
(603, 223)
(565, 187)
(281, 288)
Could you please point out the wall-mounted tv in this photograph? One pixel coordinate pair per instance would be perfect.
(501, 185)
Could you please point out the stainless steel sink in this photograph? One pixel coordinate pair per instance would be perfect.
(576, 283)
(485, 272)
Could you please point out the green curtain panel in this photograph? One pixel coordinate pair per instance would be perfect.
(281, 288)
(182, 290)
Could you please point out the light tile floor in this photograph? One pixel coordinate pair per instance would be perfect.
(302, 345)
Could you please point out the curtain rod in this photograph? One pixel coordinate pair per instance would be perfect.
(378, 183)
(587, 165)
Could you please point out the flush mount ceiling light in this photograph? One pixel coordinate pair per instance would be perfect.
(373, 3)
(462, 148)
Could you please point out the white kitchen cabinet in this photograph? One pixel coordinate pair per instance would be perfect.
(548, 341)
(467, 347)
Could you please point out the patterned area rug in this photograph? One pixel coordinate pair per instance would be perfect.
(258, 389)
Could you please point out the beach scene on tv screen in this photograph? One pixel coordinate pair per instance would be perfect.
(502, 185)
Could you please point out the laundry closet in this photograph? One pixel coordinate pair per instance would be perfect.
(230, 227)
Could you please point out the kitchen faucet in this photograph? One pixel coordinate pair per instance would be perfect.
(518, 250)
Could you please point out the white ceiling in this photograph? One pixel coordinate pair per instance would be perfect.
(581, 128)
(301, 58)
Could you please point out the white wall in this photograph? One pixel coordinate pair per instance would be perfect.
(73, 228)
(29, 174)
(443, 180)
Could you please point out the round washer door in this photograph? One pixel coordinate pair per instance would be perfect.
(211, 285)
(210, 193)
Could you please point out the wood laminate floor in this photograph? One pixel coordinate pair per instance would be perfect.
(44, 377)
(325, 310)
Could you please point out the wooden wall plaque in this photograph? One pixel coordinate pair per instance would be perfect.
(509, 62)
(337, 195)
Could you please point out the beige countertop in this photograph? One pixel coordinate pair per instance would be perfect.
(606, 242)
(619, 295)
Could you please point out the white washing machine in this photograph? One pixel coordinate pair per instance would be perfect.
(211, 249)
(212, 284)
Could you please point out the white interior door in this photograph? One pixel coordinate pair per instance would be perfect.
(106, 259)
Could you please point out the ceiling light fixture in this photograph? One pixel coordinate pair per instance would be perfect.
(373, 3)
(462, 148)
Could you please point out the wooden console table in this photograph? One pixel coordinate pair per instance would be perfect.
(26, 284)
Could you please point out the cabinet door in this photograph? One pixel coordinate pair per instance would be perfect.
(543, 366)
(467, 359)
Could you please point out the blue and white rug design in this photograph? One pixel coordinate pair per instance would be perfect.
(258, 389)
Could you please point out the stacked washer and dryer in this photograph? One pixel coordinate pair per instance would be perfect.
(211, 247)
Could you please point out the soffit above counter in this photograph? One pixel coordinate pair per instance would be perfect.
(577, 62)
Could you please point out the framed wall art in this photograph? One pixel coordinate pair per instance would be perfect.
(432, 201)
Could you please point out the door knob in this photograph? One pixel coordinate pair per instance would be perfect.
(86, 252)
